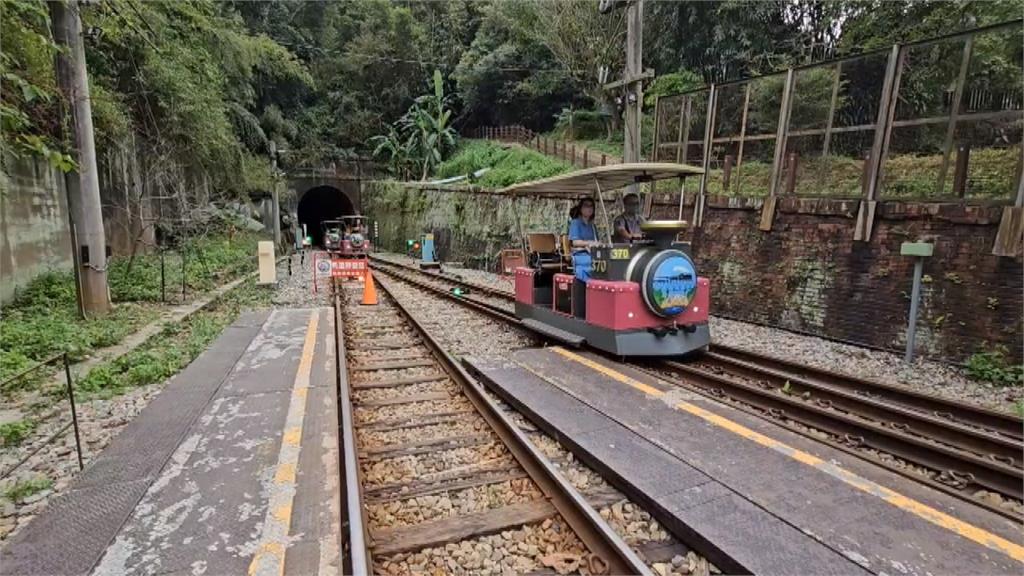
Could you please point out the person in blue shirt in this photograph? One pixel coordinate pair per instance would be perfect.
(583, 235)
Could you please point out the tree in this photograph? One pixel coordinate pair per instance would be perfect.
(507, 76)
(423, 136)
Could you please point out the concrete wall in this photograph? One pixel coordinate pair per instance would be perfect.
(34, 233)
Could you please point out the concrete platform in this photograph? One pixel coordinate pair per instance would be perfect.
(232, 469)
(751, 496)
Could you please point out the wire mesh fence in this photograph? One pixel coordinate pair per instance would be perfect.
(938, 119)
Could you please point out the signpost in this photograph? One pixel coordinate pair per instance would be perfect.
(326, 267)
(920, 251)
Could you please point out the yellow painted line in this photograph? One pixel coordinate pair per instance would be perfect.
(285, 474)
(270, 556)
(936, 517)
(292, 436)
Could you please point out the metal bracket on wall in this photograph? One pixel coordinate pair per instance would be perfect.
(768, 213)
(865, 221)
(1010, 238)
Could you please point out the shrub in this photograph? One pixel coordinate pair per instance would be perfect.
(24, 488)
(12, 433)
(994, 366)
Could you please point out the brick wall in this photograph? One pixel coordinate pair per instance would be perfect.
(808, 275)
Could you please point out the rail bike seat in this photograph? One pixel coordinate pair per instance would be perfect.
(543, 251)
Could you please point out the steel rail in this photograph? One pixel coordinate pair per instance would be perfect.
(846, 444)
(992, 474)
(969, 414)
(959, 468)
(810, 378)
(986, 445)
(360, 560)
(595, 533)
(492, 310)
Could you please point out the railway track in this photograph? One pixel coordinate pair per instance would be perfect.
(437, 477)
(964, 450)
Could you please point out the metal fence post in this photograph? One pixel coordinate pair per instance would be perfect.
(832, 109)
(727, 172)
(880, 145)
(958, 94)
(74, 411)
(654, 135)
(781, 132)
(743, 125)
(163, 284)
(709, 132)
(963, 158)
(184, 255)
(886, 113)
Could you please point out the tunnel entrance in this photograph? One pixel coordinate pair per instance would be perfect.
(319, 204)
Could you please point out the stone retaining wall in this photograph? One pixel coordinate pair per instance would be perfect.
(806, 274)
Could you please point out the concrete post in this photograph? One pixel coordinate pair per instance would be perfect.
(919, 251)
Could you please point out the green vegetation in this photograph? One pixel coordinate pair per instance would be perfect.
(994, 366)
(186, 77)
(12, 433)
(509, 164)
(164, 354)
(209, 261)
(418, 141)
(44, 320)
(22, 489)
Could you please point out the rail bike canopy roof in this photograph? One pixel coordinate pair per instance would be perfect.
(586, 182)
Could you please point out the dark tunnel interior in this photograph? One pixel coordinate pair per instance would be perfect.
(319, 204)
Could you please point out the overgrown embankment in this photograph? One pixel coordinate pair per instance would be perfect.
(508, 164)
(43, 320)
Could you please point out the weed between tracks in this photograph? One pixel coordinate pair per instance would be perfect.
(994, 366)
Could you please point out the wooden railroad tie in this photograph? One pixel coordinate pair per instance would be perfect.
(437, 487)
(433, 396)
(392, 365)
(417, 421)
(426, 446)
(389, 541)
(395, 382)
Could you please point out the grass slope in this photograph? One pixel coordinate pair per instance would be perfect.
(509, 164)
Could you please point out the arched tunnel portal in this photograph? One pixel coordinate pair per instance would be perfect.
(319, 204)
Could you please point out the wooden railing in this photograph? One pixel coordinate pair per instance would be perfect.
(566, 150)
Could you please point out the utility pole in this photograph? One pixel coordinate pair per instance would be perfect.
(634, 90)
(275, 195)
(84, 191)
(632, 80)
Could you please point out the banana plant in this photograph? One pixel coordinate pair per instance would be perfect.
(422, 136)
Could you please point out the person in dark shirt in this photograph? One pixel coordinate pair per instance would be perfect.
(626, 226)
